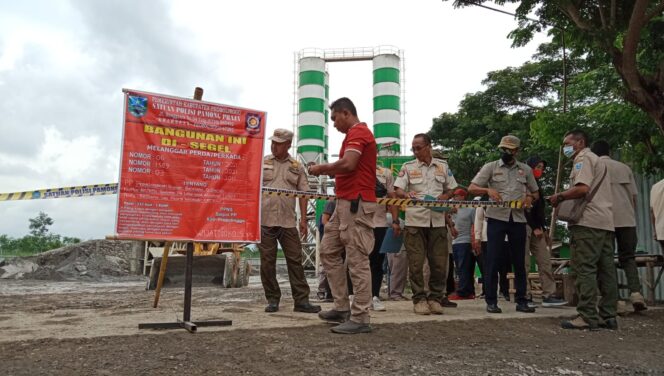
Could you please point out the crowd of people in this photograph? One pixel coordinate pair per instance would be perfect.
(440, 247)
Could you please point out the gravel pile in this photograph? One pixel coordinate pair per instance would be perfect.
(93, 260)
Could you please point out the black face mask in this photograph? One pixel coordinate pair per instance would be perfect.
(506, 157)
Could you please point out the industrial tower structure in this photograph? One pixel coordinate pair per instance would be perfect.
(311, 114)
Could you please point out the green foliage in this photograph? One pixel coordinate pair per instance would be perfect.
(619, 43)
(38, 241)
(39, 225)
(509, 105)
(527, 101)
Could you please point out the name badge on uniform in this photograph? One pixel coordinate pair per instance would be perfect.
(415, 173)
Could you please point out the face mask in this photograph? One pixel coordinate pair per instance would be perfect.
(506, 157)
(537, 173)
(568, 150)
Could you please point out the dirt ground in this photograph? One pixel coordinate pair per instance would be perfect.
(76, 328)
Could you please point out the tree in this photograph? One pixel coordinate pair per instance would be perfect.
(510, 104)
(39, 224)
(626, 34)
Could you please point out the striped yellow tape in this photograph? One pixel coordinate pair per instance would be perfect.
(112, 188)
(400, 201)
(78, 191)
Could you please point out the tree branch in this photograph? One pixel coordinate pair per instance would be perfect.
(658, 9)
(630, 47)
(573, 13)
(602, 16)
(613, 13)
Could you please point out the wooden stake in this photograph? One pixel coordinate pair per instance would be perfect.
(162, 273)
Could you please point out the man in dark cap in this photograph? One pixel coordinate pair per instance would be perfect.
(506, 179)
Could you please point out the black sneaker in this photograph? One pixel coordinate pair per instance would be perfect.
(334, 316)
(552, 301)
(351, 327)
(445, 302)
(272, 307)
(493, 308)
(524, 308)
(306, 308)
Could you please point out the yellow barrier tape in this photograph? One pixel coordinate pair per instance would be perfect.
(400, 201)
(112, 188)
(78, 191)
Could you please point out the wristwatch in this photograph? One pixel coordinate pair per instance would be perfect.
(396, 222)
(561, 197)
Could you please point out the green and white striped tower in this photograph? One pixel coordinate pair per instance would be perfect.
(387, 103)
(311, 119)
(326, 150)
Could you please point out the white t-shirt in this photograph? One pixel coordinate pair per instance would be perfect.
(657, 206)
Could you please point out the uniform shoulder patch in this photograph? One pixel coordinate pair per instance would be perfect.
(578, 166)
(402, 173)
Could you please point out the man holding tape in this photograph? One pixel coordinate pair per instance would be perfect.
(506, 179)
(278, 225)
(350, 228)
(425, 236)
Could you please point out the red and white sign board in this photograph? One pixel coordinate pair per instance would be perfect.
(190, 170)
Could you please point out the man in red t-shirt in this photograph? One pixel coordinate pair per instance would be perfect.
(350, 228)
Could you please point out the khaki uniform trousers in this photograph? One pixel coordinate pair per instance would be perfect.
(427, 243)
(292, 247)
(592, 265)
(351, 233)
(537, 247)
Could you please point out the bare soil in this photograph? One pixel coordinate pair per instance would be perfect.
(76, 328)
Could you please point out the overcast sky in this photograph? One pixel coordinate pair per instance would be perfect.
(63, 65)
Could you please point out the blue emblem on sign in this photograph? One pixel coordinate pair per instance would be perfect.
(578, 165)
(36, 195)
(137, 106)
(253, 123)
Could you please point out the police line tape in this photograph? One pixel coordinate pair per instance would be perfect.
(400, 201)
(78, 191)
(112, 188)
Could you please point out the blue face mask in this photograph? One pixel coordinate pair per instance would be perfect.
(568, 150)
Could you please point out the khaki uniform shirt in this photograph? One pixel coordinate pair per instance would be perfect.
(588, 169)
(657, 206)
(432, 180)
(623, 188)
(384, 175)
(512, 182)
(285, 174)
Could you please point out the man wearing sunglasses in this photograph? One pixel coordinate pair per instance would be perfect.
(425, 234)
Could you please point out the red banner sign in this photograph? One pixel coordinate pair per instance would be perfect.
(190, 170)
